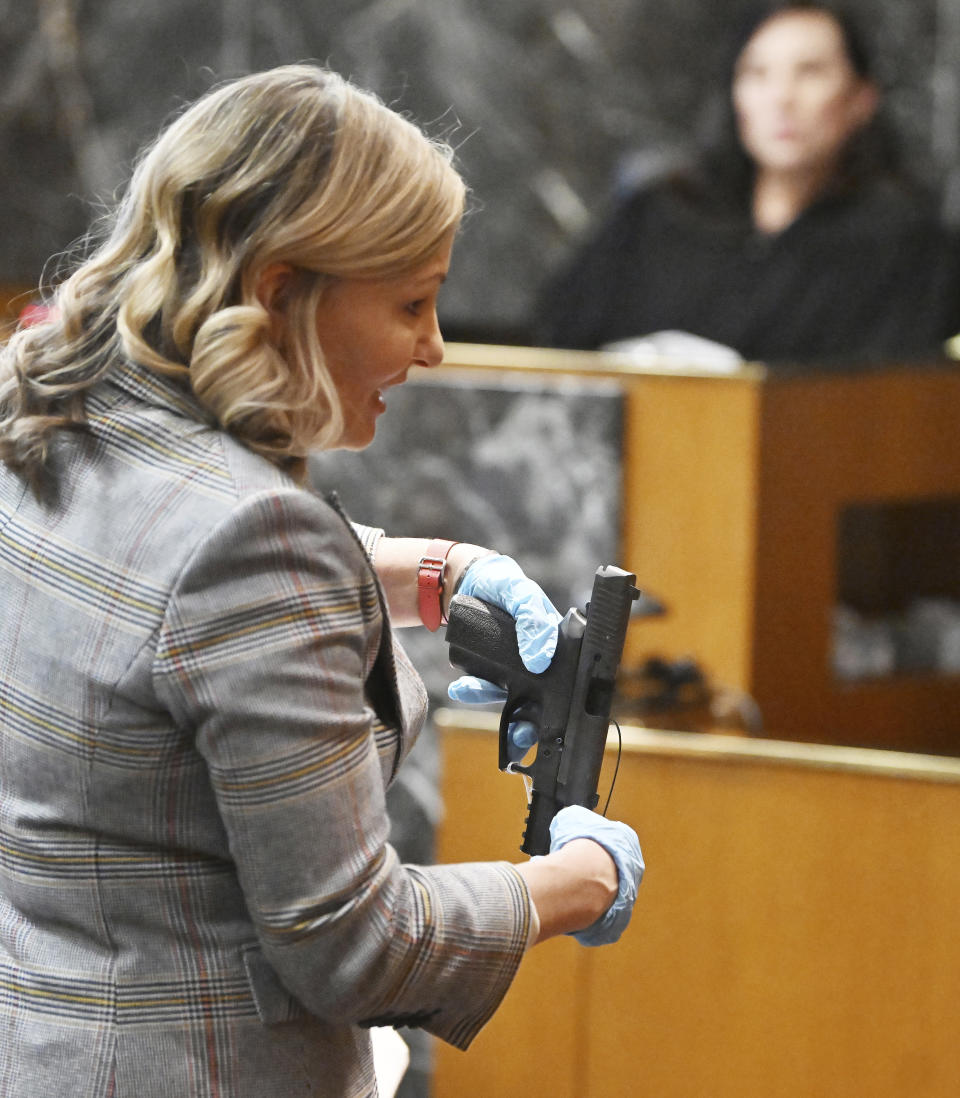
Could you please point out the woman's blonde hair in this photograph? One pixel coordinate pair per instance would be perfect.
(292, 165)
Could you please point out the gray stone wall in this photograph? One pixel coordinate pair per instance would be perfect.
(544, 99)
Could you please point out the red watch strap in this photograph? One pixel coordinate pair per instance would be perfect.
(430, 583)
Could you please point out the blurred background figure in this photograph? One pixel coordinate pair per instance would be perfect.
(796, 234)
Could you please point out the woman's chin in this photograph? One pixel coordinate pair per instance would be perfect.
(360, 422)
(357, 435)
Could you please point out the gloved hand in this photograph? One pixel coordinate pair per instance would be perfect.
(500, 580)
(621, 843)
(468, 689)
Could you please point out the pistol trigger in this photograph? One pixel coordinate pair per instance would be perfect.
(518, 768)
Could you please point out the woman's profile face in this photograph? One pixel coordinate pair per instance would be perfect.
(796, 95)
(372, 331)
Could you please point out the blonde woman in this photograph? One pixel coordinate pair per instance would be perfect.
(201, 700)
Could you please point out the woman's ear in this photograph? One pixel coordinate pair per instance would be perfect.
(272, 290)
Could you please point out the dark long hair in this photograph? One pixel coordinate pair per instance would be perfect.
(720, 178)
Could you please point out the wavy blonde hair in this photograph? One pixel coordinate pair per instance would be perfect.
(292, 165)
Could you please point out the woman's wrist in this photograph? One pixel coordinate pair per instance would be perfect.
(572, 887)
(431, 582)
(459, 560)
(398, 564)
(439, 574)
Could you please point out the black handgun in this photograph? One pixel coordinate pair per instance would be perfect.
(569, 703)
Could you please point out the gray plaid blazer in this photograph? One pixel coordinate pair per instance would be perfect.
(201, 707)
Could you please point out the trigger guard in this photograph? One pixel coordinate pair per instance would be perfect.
(510, 714)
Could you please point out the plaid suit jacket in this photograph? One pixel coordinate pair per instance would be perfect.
(201, 707)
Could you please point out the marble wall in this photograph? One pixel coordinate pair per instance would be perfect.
(544, 99)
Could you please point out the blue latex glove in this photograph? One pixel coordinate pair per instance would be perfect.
(500, 580)
(621, 843)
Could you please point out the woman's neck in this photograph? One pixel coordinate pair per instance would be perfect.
(780, 198)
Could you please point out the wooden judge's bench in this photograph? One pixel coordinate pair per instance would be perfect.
(755, 503)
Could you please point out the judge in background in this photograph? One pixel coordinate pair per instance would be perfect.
(797, 236)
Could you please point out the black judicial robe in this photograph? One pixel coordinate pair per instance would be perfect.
(869, 277)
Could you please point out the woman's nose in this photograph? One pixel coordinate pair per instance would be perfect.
(782, 89)
(430, 350)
